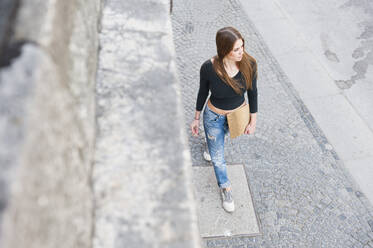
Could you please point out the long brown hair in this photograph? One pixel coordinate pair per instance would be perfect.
(225, 39)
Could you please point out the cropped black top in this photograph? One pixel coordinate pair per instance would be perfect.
(222, 95)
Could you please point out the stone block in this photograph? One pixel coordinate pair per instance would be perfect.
(213, 220)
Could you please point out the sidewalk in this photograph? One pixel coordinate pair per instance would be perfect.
(327, 59)
(303, 194)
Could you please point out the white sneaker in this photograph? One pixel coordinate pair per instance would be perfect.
(206, 156)
(227, 198)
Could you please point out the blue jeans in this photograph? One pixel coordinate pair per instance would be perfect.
(216, 127)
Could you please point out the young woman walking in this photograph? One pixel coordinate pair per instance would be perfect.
(228, 75)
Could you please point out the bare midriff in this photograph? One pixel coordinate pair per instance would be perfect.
(222, 111)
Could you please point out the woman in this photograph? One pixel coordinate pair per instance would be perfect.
(228, 75)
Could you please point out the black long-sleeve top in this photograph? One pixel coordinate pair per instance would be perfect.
(222, 95)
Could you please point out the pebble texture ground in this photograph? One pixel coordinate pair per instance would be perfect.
(301, 190)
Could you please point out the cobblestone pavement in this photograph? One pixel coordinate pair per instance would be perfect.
(302, 193)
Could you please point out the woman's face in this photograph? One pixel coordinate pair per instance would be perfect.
(237, 51)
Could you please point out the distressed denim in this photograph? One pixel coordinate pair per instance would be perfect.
(216, 127)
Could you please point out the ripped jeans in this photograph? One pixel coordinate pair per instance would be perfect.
(216, 127)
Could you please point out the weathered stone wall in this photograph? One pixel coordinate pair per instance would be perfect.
(142, 173)
(47, 130)
(49, 195)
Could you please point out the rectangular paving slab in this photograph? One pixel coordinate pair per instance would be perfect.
(213, 220)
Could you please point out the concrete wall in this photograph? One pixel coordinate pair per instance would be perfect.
(47, 124)
(49, 195)
(142, 173)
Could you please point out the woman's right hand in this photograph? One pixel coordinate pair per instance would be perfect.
(195, 127)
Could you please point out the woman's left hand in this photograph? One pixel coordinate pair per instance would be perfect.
(250, 128)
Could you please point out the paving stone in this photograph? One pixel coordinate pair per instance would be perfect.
(214, 221)
(292, 169)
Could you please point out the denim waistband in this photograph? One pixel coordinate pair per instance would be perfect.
(207, 107)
